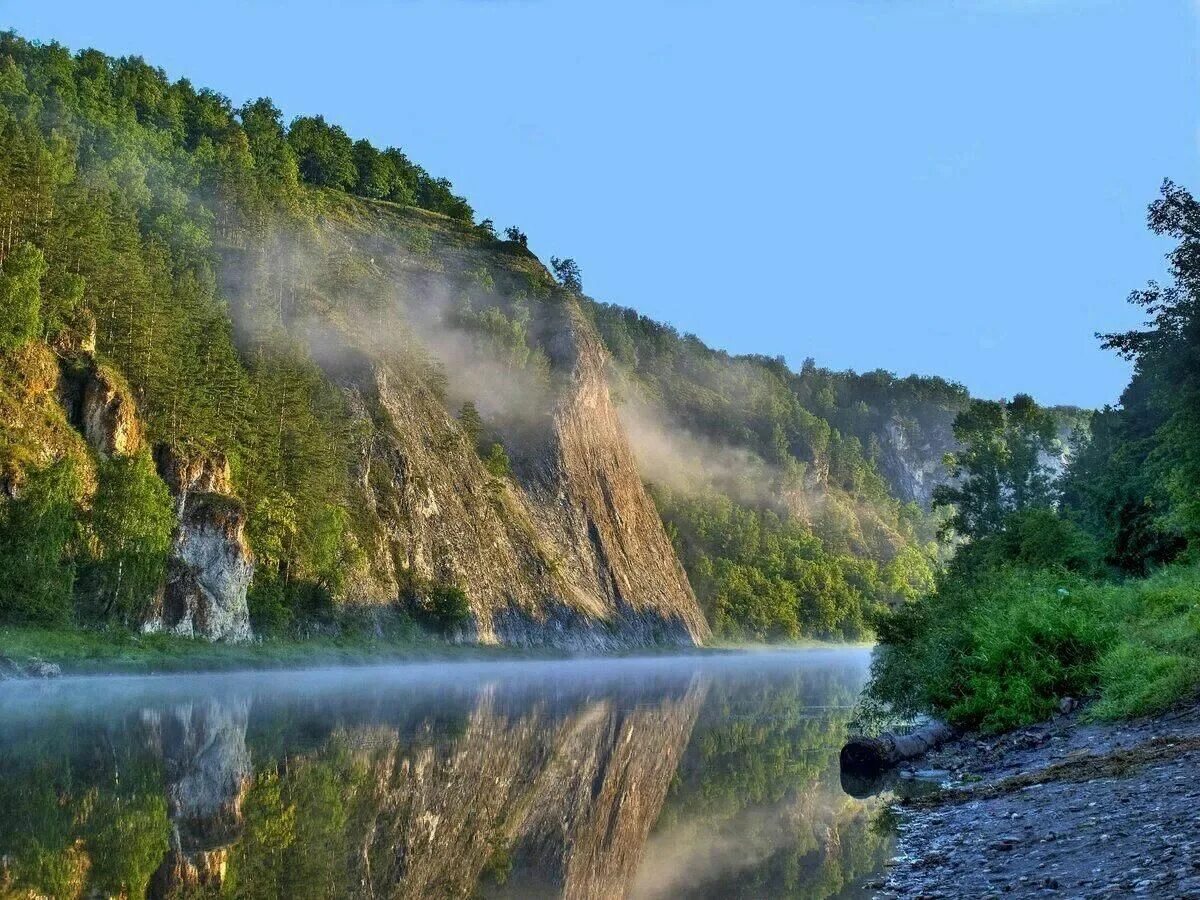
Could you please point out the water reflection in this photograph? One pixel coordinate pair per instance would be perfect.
(643, 778)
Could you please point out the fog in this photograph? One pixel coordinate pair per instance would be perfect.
(100, 695)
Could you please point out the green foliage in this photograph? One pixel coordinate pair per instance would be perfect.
(471, 423)
(995, 650)
(37, 529)
(20, 296)
(442, 608)
(133, 517)
(496, 462)
(568, 274)
(998, 649)
(761, 575)
(999, 468)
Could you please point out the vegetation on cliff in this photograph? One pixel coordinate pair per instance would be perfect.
(1085, 583)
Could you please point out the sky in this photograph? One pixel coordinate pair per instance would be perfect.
(946, 187)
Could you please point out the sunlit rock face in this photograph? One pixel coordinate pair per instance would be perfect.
(207, 771)
(570, 552)
(211, 565)
(109, 415)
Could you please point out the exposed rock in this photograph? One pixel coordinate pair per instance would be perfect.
(209, 572)
(108, 414)
(1081, 809)
(570, 552)
(211, 564)
(196, 474)
(34, 667)
(912, 453)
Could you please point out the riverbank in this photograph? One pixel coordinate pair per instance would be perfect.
(1064, 808)
(116, 651)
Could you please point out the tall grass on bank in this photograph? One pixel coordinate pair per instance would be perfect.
(1000, 650)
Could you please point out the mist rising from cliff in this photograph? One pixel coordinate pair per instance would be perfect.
(670, 455)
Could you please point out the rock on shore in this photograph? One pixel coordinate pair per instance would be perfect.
(1059, 809)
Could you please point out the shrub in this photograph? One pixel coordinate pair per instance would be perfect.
(995, 651)
(36, 532)
(441, 608)
(999, 650)
(497, 462)
(132, 520)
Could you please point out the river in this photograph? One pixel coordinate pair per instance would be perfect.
(707, 776)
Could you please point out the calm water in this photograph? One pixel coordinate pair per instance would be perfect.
(670, 777)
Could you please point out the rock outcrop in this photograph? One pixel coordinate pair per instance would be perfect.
(108, 414)
(211, 565)
(911, 455)
(569, 552)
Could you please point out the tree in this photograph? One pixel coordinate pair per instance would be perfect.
(36, 532)
(274, 159)
(567, 271)
(516, 235)
(1001, 467)
(1162, 403)
(472, 423)
(497, 461)
(375, 172)
(132, 519)
(324, 152)
(20, 296)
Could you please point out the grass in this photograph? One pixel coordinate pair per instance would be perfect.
(80, 651)
(999, 651)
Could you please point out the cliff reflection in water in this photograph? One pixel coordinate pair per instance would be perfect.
(645, 778)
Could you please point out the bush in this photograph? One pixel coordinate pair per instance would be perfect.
(998, 650)
(36, 532)
(995, 651)
(132, 520)
(497, 462)
(440, 608)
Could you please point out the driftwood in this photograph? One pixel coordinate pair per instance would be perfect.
(870, 756)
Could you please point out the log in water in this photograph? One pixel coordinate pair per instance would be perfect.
(870, 756)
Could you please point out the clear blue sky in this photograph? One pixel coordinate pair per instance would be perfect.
(952, 187)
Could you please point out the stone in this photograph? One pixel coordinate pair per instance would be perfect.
(209, 572)
(109, 415)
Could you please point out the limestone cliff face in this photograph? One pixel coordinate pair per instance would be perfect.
(569, 552)
(109, 415)
(211, 565)
(911, 457)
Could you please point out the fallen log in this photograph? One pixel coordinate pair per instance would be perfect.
(870, 756)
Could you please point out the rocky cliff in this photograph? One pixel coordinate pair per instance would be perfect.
(567, 549)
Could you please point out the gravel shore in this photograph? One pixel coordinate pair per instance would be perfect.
(1061, 809)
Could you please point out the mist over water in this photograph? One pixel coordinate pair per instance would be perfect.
(651, 777)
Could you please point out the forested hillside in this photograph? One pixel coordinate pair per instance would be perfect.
(248, 358)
